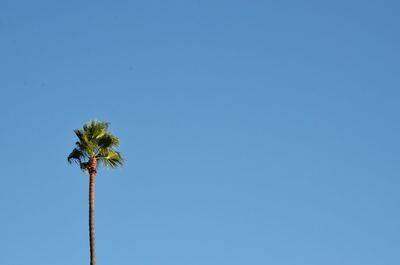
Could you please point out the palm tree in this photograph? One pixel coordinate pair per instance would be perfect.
(96, 146)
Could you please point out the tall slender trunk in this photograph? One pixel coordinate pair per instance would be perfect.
(92, 175)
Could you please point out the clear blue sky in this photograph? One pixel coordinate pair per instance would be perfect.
(255, 132)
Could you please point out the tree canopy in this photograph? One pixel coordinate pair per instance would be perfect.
(94, 141)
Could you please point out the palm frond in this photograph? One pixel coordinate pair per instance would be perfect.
(108, 140)
(111, 158)
(75, 156)
(95, 129)
(80, 135)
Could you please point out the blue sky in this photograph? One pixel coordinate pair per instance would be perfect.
(254, 132)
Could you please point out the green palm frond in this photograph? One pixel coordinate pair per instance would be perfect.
(111, 158)
(75, 156)
(94, 141)
(95, 129)
(108, 140)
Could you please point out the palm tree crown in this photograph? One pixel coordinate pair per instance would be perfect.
(95, 143)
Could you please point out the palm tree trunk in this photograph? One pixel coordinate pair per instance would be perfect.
(92, 174)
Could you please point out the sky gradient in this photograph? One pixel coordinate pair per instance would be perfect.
(254, 132)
